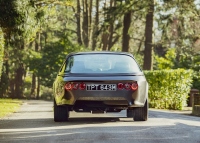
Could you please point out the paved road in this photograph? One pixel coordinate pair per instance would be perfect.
(34, 124)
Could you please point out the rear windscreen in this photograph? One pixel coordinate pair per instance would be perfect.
(101, 63)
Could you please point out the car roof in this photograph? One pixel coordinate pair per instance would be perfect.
(101, 52)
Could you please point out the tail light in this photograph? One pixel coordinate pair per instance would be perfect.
(120, 86)
(75, 86)
(134, 86)
(68, 86)
(128, 86)
(82, 86)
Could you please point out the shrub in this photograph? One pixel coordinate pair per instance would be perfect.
(27, 87)
(166, 62)
(46, 93)
(196, 80)
(168, 89)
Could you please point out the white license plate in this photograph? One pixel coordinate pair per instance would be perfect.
(101, 87)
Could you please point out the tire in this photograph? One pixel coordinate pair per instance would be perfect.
(61, 113)
(130, 113)
(141, 113)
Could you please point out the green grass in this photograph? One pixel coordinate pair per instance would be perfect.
(8, 106)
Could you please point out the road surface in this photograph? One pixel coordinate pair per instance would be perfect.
(33, 123)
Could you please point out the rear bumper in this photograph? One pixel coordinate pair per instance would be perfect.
(124, 98)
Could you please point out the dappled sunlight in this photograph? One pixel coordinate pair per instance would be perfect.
(75, 123)
(35, 123)
(110, 130)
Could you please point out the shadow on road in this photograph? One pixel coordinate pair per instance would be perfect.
(35, 124)
(187, 116)
(48, 122)
(99, 131)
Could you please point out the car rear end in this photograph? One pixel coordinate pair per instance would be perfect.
(101, 82)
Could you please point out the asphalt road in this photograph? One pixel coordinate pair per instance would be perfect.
(34, 124)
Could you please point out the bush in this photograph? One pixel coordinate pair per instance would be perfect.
(27, 87)
(46, 93)
(168, 89)
(196, 80)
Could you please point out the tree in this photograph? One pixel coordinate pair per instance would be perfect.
(126, 36)
(78, 19)
(85, 24)
(95, 27)
(18, 20)
(148, 51)
(178, 23)
(1, 51)
(1, 62)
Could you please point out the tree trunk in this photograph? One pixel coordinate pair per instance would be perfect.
(148, 51)
(33, 86)
(19, 81)
(140, 45)
(37, 49)
(95, 27)
(90, 23)
(85, 25)
(19, 73)
(105, 41)
(78, 19)
(12, 88)
(37, 42)
(4, 79)
(126, 36)
(111, 28)
(90, 14)
(38, 88)
(105, 33)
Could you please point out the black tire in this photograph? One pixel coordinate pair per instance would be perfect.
(130, 113)
(141, 113)
(61, 113)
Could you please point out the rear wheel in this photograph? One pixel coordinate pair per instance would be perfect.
(61, 113)
(130, 113)
(141, 113)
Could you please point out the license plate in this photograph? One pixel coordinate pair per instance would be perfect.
(101, 87)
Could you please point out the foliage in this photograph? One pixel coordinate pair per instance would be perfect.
(188, 60)
(20, 20)
(178, 22)
(196, 81)
(4, 83)
(168, 89)
(166, 62)
(40, 33)
(196, 68)
(139, 59)
(8, 106)
(27, 86)
(19, 17)
(48, 63)
(46, 93)
(9, 17)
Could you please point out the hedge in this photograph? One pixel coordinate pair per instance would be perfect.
(168, 89)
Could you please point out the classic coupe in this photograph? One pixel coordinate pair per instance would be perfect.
(100, 82)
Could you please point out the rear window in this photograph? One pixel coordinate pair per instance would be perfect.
(101, 63)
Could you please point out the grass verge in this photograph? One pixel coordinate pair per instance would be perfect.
(8, 106)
